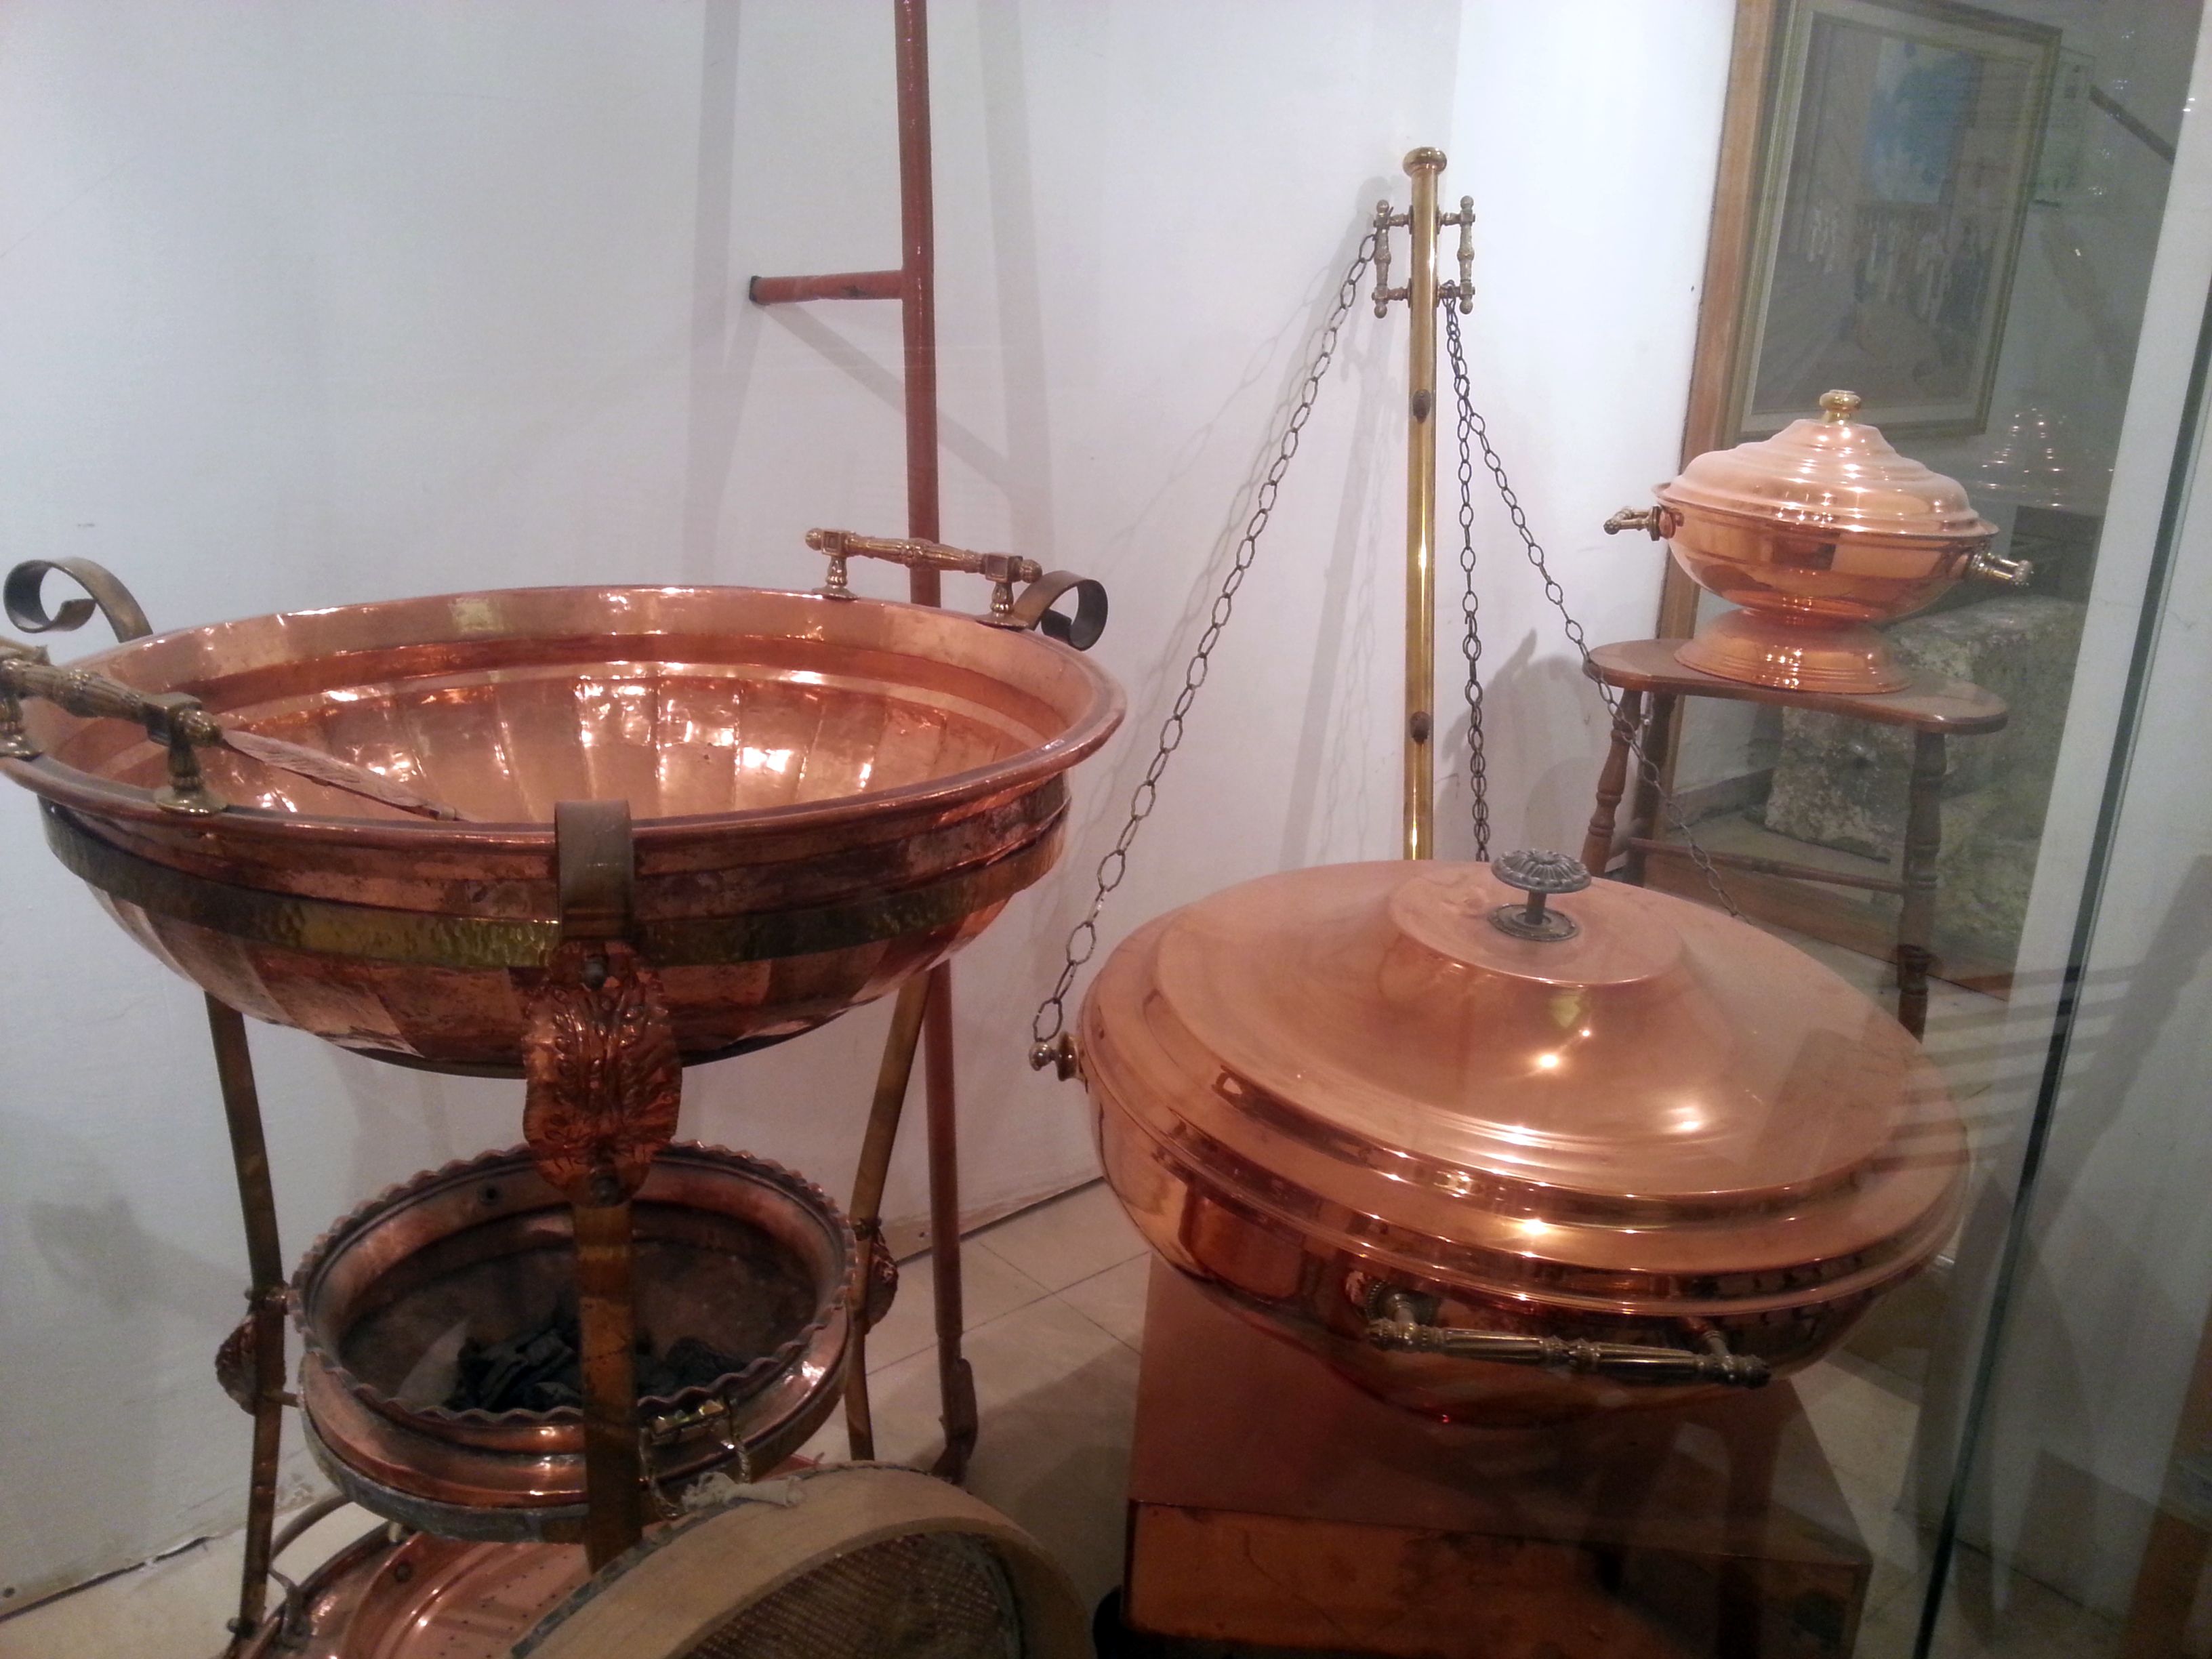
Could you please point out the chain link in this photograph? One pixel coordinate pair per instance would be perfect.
(1050, 1021)
(1647, 770)
(1470, 603)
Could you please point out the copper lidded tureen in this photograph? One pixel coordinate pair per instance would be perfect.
(1816, 533)
(1496, 1141)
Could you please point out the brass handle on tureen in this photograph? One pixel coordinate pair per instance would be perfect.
(1399, 1325)
(1988, 567)
(1656, 522)
(1041, 590)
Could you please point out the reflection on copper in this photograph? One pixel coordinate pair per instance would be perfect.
(1332, 1081)
(1817, 532)
(870, 781)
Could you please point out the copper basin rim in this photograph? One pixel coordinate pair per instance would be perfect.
(829, 796)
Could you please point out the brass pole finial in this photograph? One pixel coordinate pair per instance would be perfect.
(1424, 160)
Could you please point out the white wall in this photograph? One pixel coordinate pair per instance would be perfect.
(309, 303)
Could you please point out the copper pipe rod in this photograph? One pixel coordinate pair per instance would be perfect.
(606, 1316)
(918, 297)
(840, 285)
(1422, 166)
(893, 1076)
(257, 1203)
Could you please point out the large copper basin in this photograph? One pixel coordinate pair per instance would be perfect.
(830, 795)
(1327, 1091)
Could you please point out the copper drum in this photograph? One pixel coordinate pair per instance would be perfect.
(731, 1250)
(829, 796)
(1325, 1088)
(1816, 533)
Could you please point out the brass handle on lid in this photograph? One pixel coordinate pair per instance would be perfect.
(1539, 875)
(1397, 1327)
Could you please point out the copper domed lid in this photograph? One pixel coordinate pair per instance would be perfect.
(1627, 1090)
(1832, 473)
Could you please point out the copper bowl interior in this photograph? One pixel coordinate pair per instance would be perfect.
(741, 1262)
(683, 702)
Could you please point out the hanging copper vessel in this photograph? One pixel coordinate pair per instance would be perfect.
(830, 794)
(1816, 533)
(1491, 1151)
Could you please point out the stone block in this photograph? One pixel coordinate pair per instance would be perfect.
(1841, 783)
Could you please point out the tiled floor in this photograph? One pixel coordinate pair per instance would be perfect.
(1054, 1302)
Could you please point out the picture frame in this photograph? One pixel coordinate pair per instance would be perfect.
(1901, 157)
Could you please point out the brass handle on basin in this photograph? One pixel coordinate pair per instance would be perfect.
(1399, 1327)
(1988, 567)
(1656, 522)
(1041, 589)
(171, 718)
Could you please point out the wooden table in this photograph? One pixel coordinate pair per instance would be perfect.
(1652, 683)
(1276, 1508)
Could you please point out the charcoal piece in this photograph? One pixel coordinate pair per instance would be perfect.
(540, 1368)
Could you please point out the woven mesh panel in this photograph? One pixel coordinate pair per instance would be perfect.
(928, 1595)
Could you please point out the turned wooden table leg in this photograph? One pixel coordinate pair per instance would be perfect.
(1597, 845)
(1643, 801)
(1916, 919)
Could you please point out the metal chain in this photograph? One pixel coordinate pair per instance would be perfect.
(1471, 420)
(1050, 1021)
(1470, 604)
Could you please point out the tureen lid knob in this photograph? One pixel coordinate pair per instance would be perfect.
(1540, 874)
(1839, 406)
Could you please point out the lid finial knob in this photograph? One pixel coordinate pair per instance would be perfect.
(1839, 406)
(1540, 874)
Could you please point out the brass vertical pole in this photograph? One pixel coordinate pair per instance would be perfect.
(1422, 166)
(893, 1074)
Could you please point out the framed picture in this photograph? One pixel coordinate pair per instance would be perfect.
(1898, 151)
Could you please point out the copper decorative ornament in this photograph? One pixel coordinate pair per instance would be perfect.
(1525, 1177)
(1816, 533)
(830, 795)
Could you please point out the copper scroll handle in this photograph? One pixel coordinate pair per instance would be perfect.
(1625, 1362)
(26, 609)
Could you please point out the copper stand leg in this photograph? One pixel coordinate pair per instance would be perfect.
(1612, 781)
(956, 1381)
(1916, 917)
(606, 1315)
(867, 1211)
(264, 1332)
(1643, 803)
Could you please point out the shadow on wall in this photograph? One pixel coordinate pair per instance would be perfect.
(1160, 684)
(134, 1292)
